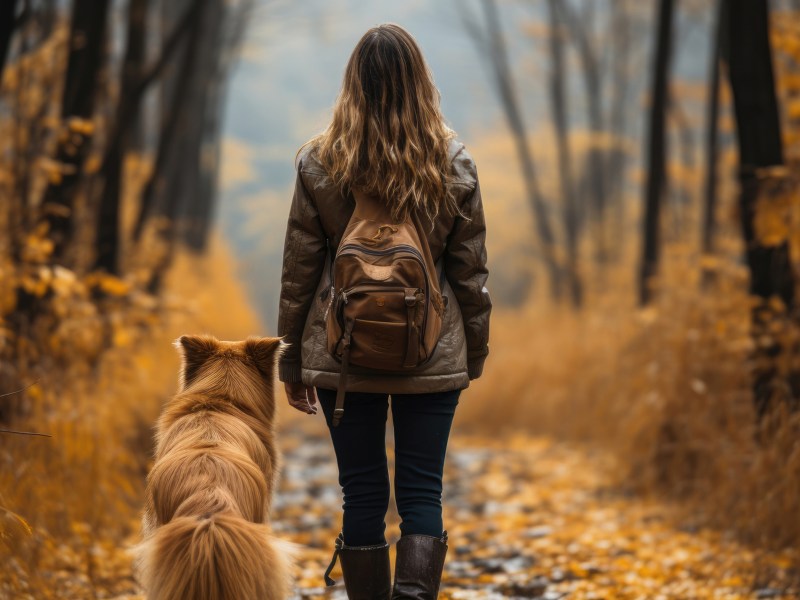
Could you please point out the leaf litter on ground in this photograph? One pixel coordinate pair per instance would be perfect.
(526, 518)
(535, 518)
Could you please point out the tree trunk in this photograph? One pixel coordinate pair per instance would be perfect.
(108, 235)
(592, 79)
(197, 158)
(617, 158)
(503, 78)
(162, 195)
(712, 137)
(8, 17)
(200, 209)
(16, 207)
(135, 82)
(656, 159)
(172, 62)
(87, 44)
(683, 196)
(759, 136)
(560, 110)
(223, 34)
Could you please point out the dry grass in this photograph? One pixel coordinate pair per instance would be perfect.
(666, 388)
(81, 491)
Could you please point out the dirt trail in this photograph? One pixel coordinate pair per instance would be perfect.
(532, 518)
(527, 518)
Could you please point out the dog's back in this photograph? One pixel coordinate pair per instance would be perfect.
(209, 492)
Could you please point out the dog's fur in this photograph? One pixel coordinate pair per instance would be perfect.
(208, 495)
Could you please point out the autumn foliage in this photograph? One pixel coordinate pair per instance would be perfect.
(669, 387)
(665, 390)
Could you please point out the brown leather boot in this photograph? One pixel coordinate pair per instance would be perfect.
(366, 570)
(418, 570)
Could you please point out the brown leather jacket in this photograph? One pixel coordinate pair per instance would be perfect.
(317, 220)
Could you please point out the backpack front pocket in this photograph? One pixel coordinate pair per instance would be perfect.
(379, 344)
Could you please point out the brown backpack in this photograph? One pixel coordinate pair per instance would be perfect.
(386, 305)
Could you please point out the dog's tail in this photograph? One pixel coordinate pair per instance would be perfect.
(215, 557)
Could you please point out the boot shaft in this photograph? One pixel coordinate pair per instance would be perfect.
(419, 565)
(366, 570)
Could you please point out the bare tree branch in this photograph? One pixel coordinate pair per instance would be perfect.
(170, 46)
(19, 391)
(32, 433)
(470, 24)
(578, 25)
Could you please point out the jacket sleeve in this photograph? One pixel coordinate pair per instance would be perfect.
(465, 267)
(304, 255)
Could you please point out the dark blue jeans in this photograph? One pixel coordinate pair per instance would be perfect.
(421, 429)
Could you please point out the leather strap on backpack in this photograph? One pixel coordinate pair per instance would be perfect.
(412, 346)
(338, 409)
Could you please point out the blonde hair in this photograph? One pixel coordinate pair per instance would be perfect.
(387, 137)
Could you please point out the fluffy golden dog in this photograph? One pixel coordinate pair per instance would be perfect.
(208, 495)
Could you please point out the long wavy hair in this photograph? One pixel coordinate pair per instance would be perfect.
(387, 137)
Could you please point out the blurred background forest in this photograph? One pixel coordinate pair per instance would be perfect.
(639, 167)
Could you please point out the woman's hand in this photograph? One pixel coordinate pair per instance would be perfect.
(302, 397)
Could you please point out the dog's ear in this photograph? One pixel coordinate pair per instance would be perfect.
(195, 350)
(264, 352)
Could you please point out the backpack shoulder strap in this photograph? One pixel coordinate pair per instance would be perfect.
(370, 208)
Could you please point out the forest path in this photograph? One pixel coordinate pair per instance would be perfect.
(531, 518)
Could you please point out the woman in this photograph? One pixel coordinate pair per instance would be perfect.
(388, 140)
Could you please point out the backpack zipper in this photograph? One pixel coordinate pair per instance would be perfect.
(330, 303)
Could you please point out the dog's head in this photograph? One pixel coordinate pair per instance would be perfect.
(236, 368)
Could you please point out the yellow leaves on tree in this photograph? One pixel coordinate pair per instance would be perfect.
(83, 127)
(772, 224)
(793, 108)
(54, 170)
(108, 284)
(37, 246)
(775, 207)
